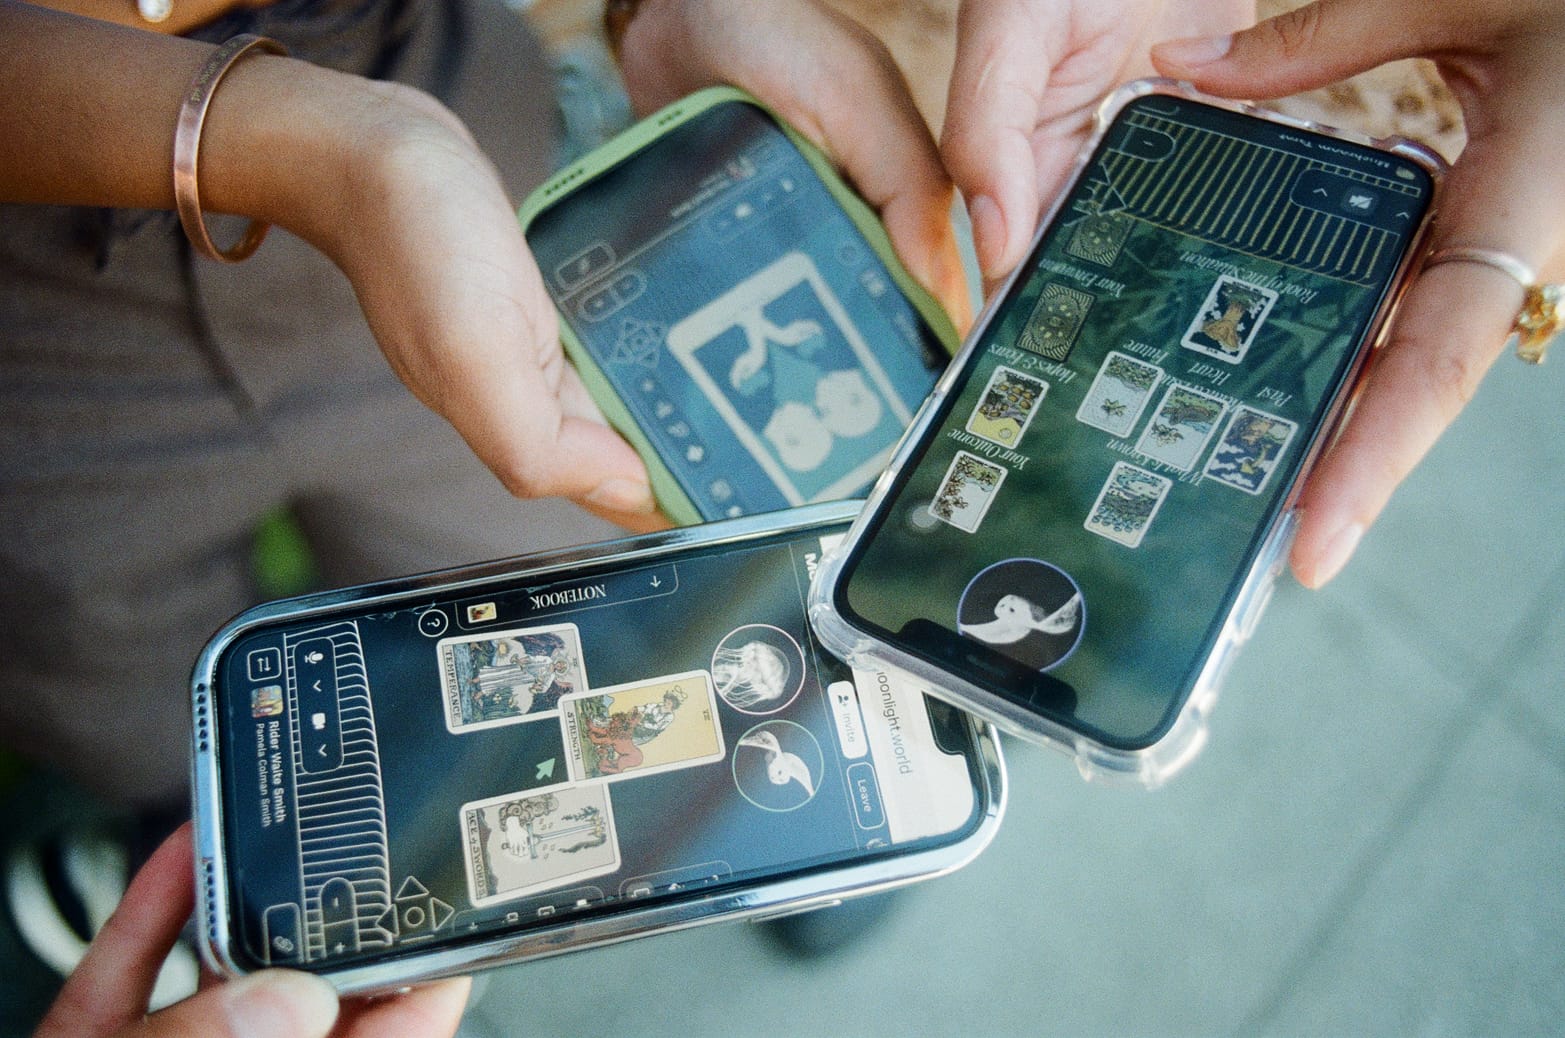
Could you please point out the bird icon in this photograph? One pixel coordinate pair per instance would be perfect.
(782, 767)
(1015, 618)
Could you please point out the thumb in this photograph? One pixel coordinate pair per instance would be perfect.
(269, 1004)
(1311, 46)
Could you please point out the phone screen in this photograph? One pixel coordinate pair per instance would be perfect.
(531, 748)
(1076, 523)
(752, 332)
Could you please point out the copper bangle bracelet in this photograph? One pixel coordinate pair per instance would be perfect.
(187, 149)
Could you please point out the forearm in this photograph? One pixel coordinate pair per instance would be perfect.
(88, 110)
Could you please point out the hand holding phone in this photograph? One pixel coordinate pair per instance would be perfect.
(735, 309)
(1086, 518)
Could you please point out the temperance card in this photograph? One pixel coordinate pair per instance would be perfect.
(528, 842)
(642, 728)
(1181, 426)
(1006, 407)
(1127, 504)
(780, 361)
(1249, 449)
(967, 491)
(1119, 394)
(1229, 319)
(502, 677)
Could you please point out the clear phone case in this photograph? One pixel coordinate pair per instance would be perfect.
(1184, 737)
(756, 899)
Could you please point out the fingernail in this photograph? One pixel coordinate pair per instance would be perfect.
(988, 234)
(280, 1004)
(1339, 549)
(622, 495)
(1194, 51)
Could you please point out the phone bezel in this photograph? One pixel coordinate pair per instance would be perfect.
(754, 899)
(1184, 730)
(671, 496)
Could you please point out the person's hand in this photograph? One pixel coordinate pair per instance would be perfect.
(108, 992)
(1502, 60)
(834, 82)
(380, 177)
(430, 241)
(1029, 75)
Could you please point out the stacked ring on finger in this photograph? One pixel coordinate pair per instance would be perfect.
(1540, 317)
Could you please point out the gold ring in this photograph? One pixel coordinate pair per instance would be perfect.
(1540, 317)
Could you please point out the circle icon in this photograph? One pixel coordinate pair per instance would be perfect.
(778, 766)
(758, 669)
(433, 622)
(1027, 609)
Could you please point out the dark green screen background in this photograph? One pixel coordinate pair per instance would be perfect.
(1201, 191)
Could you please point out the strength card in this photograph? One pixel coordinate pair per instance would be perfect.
(1181, 427)
(1229, 319)
(1006, 407)
(642, 727)
(524, 843)
(502, 677)
(967, 491)
(780, 360)
(1127, 504)
(1119, 394)
(1248, 451)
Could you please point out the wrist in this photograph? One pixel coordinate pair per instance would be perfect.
(306, 148)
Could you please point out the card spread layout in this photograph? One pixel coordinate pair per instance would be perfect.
(1134, 408)
(524, 753)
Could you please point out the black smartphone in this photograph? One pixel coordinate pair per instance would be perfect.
(1087, 516)
(735, 310)
(428, 776)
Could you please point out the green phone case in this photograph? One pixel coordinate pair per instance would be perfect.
(671, 498)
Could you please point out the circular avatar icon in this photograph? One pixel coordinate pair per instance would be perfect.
(1026, 609)
(778, 766)
(758, 669)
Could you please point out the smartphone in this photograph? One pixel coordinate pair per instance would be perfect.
(433, 775)
(1088, 515)
(735, 310)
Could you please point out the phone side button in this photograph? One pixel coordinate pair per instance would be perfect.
(1255, 607)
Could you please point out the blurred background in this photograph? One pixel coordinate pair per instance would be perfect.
(1373, 841)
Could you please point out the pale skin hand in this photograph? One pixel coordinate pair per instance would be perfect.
(1502, 60)
(1029, 75)
(834, 82)
(108, 992)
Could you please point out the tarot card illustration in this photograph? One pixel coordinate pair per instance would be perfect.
(1055, 321)
(1098, 238)
(523, 843)
(1127, 504)
(501, 677)
(642, 727)
(1006, 407)
(780, 361)
(1229, 319)
(1249, 449)
(1119, 394)
(967, 491)
(1181, 426)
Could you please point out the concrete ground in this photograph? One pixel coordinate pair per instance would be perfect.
(1371, 843)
